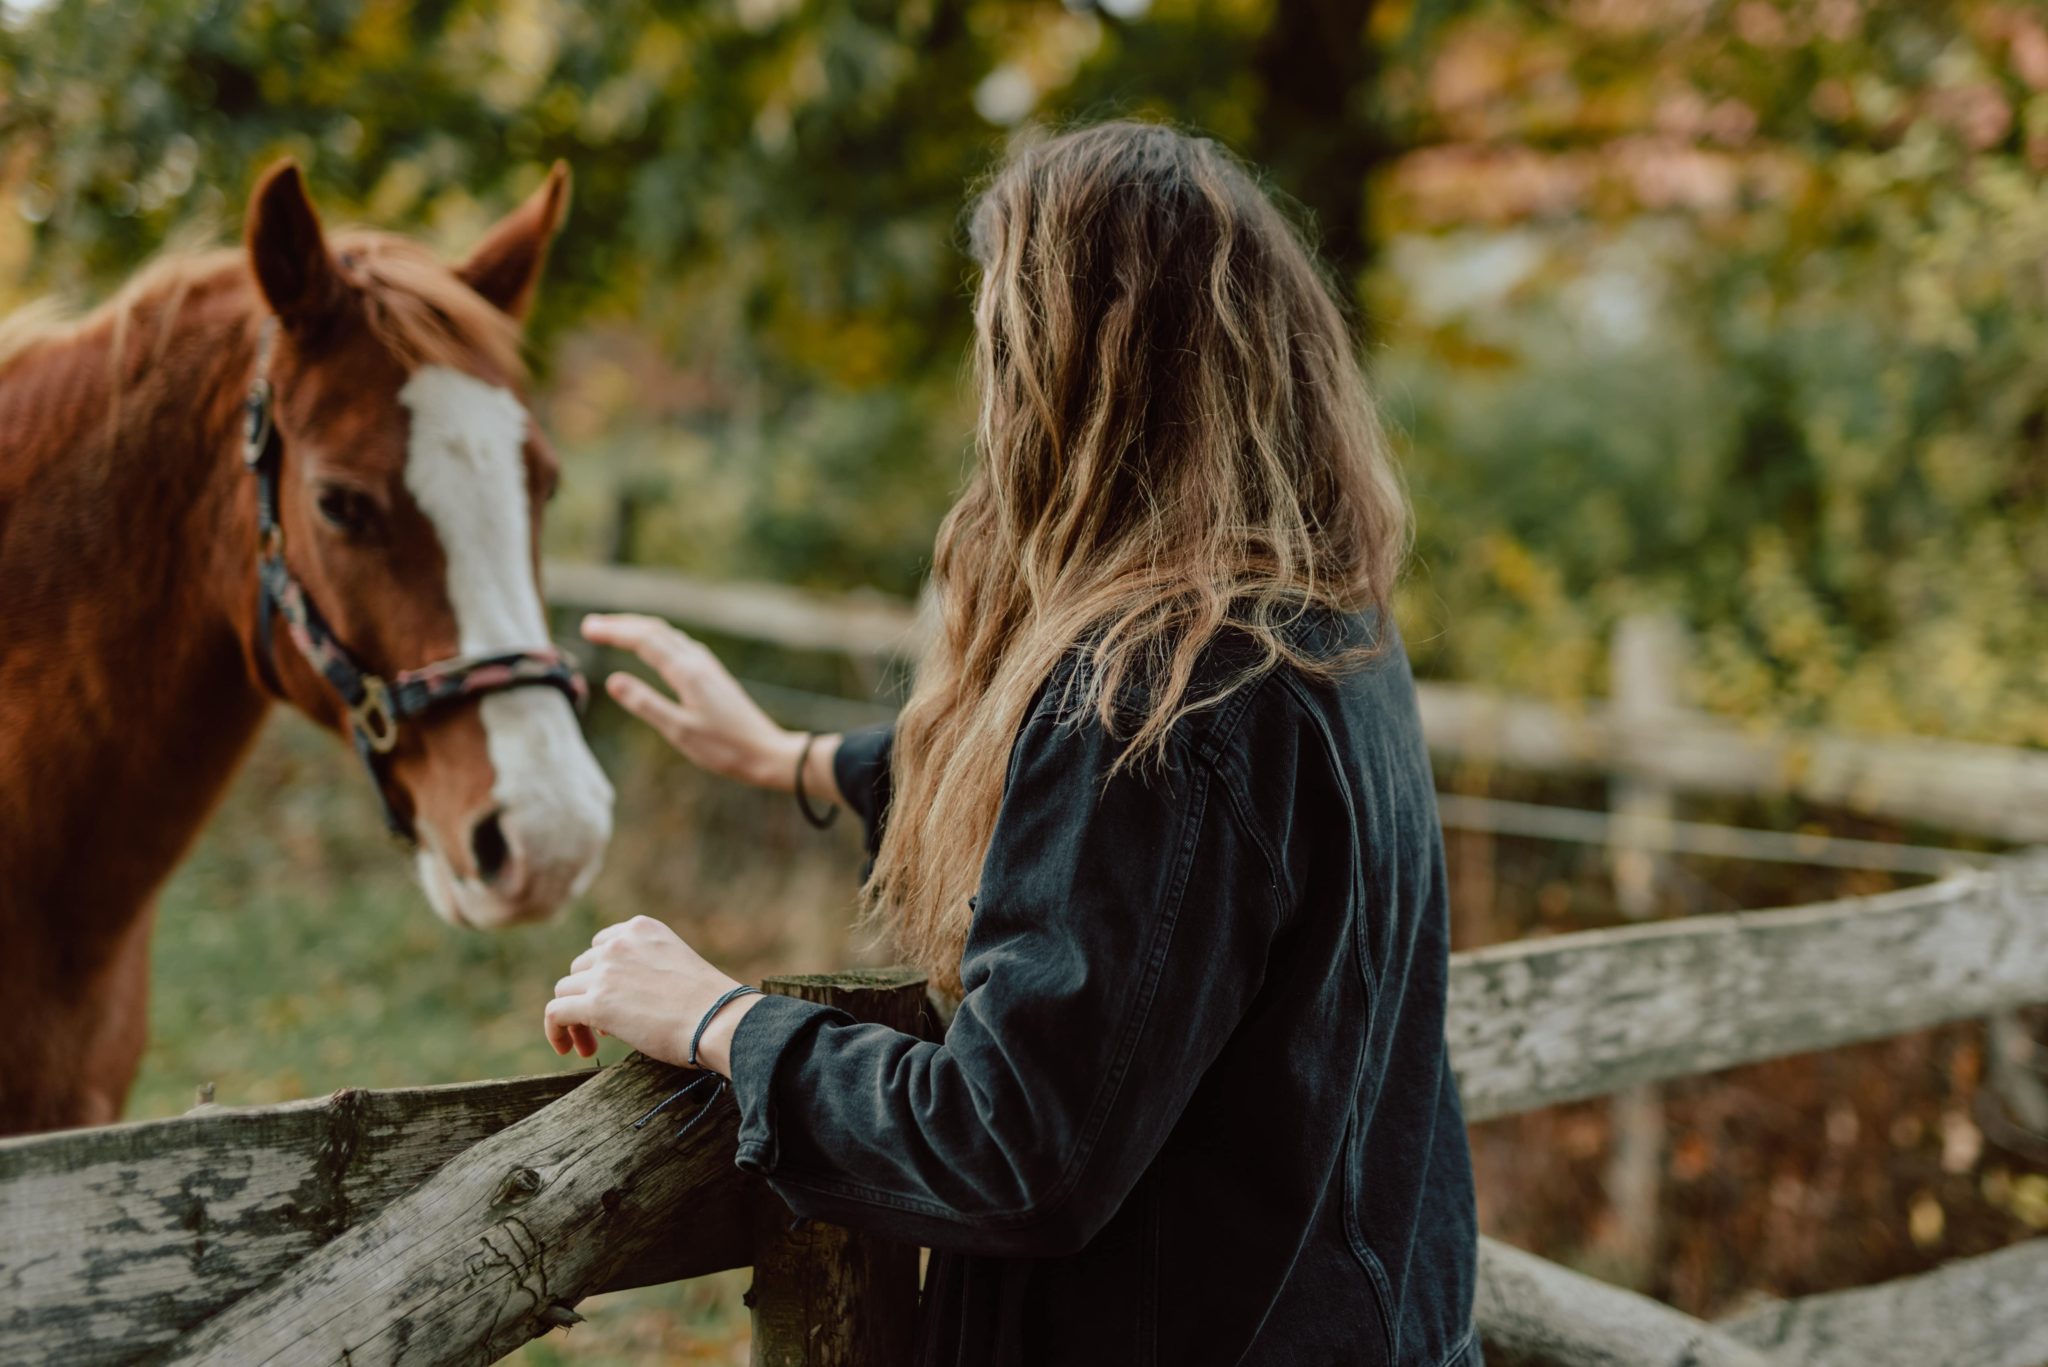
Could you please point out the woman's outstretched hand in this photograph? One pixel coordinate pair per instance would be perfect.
(639, 982)
(711, 720)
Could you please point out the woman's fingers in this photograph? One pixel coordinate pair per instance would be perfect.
(559, 1020)
(571, 1018)
(627, 630)
(567, 1024)
(711, 719)
(671, 652)
(640, 982)
(646, 702)
(683, 663)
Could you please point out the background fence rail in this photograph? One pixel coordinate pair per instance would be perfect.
(1988, 790)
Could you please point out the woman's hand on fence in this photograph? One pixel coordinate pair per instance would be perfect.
(711, 720)
(640, 982)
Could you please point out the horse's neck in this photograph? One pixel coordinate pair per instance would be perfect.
(117, 441)
(127, 548)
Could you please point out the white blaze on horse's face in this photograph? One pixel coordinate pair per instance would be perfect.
(465, 469)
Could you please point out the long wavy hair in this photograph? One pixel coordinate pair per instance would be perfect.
(1175, 440)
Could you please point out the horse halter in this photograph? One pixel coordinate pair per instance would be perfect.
(377, 707)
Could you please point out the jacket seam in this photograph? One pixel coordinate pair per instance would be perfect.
(1361, 952)
(1354, 1237)
(1240, 806)
(1223, 716)
(1457, 1350)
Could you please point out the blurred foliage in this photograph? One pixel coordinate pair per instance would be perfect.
(1741, 309)
(766, 197)
(1736, 308)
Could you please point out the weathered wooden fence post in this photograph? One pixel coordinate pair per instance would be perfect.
(825, 1296)
(1647, 661)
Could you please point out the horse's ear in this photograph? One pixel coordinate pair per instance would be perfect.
(505, 267)
(288, 250)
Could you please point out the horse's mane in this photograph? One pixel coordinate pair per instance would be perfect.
(421, 311)
(413, 303)
(29, 326)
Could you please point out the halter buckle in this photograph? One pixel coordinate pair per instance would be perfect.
(374, 720)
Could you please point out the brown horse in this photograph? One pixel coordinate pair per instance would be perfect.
(168, 569)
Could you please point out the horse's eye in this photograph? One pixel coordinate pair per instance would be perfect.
(347, 510)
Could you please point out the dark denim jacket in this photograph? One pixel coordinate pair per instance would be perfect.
(1195, 1107)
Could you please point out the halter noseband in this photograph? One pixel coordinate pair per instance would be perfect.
(377, 707)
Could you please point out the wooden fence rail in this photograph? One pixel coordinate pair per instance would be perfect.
(471, 1215)
(1974, 1312)
(432, 1224)
(862, 623)
(1534, 1022)
(1950, 785)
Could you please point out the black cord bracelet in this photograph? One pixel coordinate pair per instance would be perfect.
(719, 1086)
(716, 1007)
(803, 802)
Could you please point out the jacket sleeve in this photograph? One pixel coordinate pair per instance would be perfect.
(861, 769)
(1121, 930)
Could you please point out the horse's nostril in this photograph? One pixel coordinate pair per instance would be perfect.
(487, 844)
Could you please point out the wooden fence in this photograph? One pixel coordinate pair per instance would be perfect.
(444, 1224)
(451, 1224)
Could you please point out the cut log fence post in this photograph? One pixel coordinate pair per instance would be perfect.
(825, 1296)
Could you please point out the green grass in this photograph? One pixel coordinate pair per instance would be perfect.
(294, 955)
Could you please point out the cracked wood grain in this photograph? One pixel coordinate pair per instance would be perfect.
(1974, 1312)
(1986, 1311)
(1534, 1313)
(114, 1241)
(1536, 1022)
(491, 1249)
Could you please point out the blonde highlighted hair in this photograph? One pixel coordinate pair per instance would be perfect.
(1175, 440)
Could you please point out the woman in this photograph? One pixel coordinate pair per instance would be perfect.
(1158, 812)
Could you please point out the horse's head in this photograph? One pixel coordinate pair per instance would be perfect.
(409, 483)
